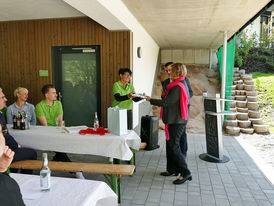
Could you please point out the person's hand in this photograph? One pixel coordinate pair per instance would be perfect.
(163, 93)
(6, 158)
(148, 98)
(130, 95)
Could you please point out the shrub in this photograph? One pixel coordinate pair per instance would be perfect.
(263, 58)
(270, 65)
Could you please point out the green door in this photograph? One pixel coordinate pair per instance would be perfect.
(77, 80)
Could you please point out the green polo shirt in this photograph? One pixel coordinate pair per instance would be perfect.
(118, 88)
(50, 112)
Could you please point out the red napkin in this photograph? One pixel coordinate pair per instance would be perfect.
(100, 131)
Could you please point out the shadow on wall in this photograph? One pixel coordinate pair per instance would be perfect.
(201, 79)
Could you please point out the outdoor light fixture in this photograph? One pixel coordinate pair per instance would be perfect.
(139, 52)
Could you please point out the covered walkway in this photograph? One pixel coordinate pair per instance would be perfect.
(240, 182)
(236, 183)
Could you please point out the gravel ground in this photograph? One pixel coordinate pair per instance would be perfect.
(263, 145)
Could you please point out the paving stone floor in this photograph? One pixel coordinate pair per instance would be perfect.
(235, 183)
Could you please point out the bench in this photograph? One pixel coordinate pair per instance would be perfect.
(114, 171)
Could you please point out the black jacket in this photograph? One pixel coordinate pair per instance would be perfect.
(171, 105)
(9, 139)
(10, 194)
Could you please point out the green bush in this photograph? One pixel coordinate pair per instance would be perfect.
(263, 58)
(267, 52)
(270, 65)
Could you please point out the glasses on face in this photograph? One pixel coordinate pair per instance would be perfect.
(167, 71)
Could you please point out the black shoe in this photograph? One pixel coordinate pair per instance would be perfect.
(178, 181)
(166, 173)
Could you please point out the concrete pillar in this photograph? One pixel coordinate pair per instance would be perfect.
(224, 70)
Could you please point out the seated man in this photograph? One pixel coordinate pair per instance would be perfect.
(20, 153)
(49, 112)
(9, 190)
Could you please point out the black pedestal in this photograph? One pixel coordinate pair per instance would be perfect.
(209, 158)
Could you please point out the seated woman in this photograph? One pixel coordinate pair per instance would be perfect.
(21, 105)
(123, 94)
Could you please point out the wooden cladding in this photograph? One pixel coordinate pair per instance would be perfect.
(25, 48)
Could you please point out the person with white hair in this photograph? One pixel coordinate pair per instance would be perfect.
(20, 106)
(10, 194)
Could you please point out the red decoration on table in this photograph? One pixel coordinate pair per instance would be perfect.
(100, 131)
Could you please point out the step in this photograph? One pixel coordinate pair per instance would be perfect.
(232, 97)
(232, 130)
(251, 93)
(261, 128)
(240, 92)
(232, 104)
(254, 114)
(239, 86)
(247, 130)
(236, 74)
(241, 71)
(231, 117)
(253, 106)
(244, 123)
(233, 92)
(240, 97)
(236, 78)
(233, 109)
(236, 69)
(242, 116)
(233, 123)
(241, 104)
(243, 110)
(238, 82)
(251, 98)
(249, 87)
(233, 87)
(256, 120)
(249, 82)
(246, 77)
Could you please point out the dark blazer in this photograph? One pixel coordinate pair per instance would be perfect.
(9, 139)
(167, 82)
(171, 105)
(10, 194)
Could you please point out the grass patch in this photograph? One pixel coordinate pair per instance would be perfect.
(265, 86)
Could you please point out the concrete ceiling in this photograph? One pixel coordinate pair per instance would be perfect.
(11, 10)
(192, 23)
(171, 23)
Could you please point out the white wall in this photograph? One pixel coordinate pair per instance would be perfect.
(144, 67)
(188, 56)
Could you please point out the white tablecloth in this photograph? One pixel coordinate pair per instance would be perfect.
(54, 139)
(65, 192)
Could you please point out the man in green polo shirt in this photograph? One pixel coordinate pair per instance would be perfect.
(49, 112)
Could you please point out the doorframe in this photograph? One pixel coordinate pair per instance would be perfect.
(57, 52)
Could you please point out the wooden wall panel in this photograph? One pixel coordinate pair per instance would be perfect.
(25, 48)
